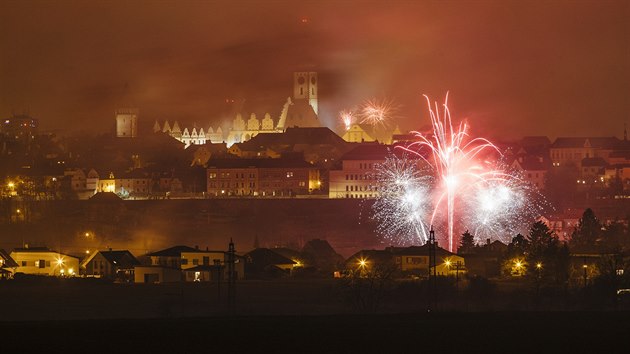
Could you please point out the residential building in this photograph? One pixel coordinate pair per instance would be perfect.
(42, 261)
(263, 262)
(206, 265)
(571, 151)
(114, 265)
(357, 176)
(283, 177)
(407, 260)
(8, 266)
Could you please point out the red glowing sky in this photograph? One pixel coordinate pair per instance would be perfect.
(513, 68)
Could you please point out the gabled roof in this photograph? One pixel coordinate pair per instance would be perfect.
(175, 251)
(105, 197)
(580, 142)
(8, 261)
(368, 151)
(531, 163)
(258, 163)
(118, 257)
(265, 257)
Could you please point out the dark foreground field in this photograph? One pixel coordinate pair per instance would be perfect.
(49, 315)
(481, 332)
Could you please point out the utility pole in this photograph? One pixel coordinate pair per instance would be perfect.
(231, 259)
(432, 266)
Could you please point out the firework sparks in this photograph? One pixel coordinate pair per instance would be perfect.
(377, 112)
(404, 201)
(463, 189)
(347, 119)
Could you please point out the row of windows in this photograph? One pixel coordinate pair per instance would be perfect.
(360, 196)
(361, 188)
(40, 263)
(359, 177)
(365, 166)
(569, 155)
(214, 175)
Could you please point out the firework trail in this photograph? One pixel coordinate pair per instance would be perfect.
(459, 187)
(347, 118)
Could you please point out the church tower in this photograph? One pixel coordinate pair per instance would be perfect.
(127, 122)
(305, 88)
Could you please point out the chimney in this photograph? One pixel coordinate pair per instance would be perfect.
(197, 247)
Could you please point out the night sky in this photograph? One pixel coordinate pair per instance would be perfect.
(513, 68)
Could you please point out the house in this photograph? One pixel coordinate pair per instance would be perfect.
(320, 254)
(156, 274)
(170, 257)
(282, 177)
(408, 260)
(264, 262)
(533, 170)
(571, 151)
(359, 133)
(562, 224)
(187, 263)
(42, 261)
(199, 265)
(8, 266)
(114, 265)
(357, 176)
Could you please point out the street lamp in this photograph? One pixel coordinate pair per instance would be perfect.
(538, 270)
(585, 268)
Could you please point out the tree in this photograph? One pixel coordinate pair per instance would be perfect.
(546, 255)
(467, 243)
(587, 233)
(518, 246)
(613, 237)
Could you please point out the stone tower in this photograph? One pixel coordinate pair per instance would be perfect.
(305, 88)
(127, 122)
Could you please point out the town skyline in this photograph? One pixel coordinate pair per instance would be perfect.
(550, 67)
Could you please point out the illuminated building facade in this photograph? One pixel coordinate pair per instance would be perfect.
(283, 177)
(127, 123)
(571, 151)
(299, 111)
(42, 261)
(357, 176)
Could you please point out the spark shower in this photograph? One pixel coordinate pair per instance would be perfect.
(451, 181)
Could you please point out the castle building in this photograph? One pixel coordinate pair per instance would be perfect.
(300, 110)
(127, 123)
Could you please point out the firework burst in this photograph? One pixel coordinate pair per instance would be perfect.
(463, 187)
(347, 118)
(404, 200)
(377, 112)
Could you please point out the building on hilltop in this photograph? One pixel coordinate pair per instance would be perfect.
(127, 122)
(300, 110)
(282, 177)
(19, 128)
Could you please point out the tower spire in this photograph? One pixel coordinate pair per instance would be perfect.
(625, 132)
